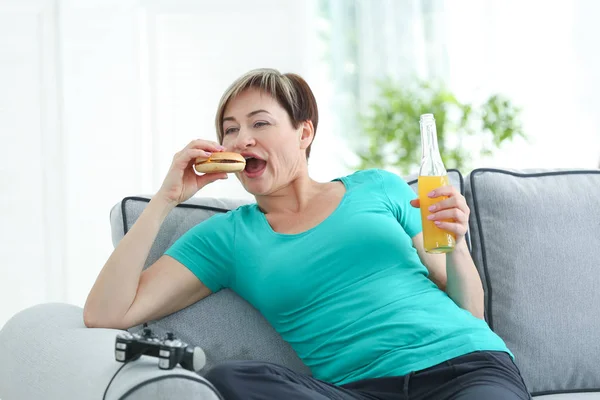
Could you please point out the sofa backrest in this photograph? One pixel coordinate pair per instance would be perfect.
(535, 240)
(223, 324)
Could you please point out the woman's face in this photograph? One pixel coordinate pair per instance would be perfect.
(257, 127)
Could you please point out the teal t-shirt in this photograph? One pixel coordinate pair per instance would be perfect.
(350, 295)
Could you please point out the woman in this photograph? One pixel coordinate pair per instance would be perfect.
(338, 268)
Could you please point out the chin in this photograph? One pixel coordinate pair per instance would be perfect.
(255, 188)
(258, 186)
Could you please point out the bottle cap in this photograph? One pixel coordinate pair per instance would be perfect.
(427, 117)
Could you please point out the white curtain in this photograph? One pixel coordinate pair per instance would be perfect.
(368, 40)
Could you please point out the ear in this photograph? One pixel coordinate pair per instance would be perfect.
(307, 134)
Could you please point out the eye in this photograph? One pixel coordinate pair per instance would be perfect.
(260, 124)
(230, 130)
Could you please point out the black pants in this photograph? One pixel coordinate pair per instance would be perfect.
(475, 376)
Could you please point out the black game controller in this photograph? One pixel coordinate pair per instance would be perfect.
(169, 350)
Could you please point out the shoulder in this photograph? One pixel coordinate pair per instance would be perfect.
(222, 224)
(391, 178)
(375, 176)
(232, 215)
(361, 177)
(388, 186)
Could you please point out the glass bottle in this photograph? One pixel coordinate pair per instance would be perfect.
(432, 175)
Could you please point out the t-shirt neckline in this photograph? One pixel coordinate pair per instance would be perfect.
(270, 229)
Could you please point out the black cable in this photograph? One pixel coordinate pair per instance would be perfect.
(159, 378)
(120, 368)
(115, 375)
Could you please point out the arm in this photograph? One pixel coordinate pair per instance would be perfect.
(454, 272)
(122, 295)
(464, 284)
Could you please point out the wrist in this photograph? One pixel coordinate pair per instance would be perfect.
(161, 206)
(460, 251)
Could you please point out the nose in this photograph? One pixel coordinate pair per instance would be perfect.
(244, 140)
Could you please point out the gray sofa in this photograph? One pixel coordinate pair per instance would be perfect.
(534, 236)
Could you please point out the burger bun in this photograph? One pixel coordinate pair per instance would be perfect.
(220, 162)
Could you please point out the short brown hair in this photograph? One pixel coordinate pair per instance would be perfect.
(290, 90)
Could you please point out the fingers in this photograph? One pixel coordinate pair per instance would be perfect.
(195, 153)
(448, 190)
(450, 202)
(452, 214)
(198, 148)
(205, 179)
(207, 145)
(454, 200)
(460, 230)
(185, 158)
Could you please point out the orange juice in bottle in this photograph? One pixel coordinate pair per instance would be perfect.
(432, 175)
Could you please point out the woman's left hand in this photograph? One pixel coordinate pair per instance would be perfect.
(451, 214)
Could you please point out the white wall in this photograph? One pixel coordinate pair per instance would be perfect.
(542, 55)
(97, 96)
(31, 180)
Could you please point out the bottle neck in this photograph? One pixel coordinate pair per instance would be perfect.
(431, 159)
(429, 143)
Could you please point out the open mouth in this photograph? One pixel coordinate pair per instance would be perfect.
(254, 166)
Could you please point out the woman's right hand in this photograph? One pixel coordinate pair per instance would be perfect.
(181, 181)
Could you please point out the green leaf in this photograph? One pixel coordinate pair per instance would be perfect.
(390, 125)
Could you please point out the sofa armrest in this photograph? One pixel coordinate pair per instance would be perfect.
(47, 352)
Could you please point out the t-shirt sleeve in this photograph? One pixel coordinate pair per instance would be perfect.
(207, 250)
(399, 195)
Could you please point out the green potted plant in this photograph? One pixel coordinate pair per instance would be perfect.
(390, 128)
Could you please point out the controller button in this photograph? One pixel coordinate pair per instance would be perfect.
(120, 355)
(164, 353)
(121, 346)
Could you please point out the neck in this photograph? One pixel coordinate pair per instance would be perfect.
(292, 198)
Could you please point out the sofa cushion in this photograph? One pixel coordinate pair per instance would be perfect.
(535, 238)
(570, 396)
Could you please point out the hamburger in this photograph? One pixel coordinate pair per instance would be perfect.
(223, 161)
